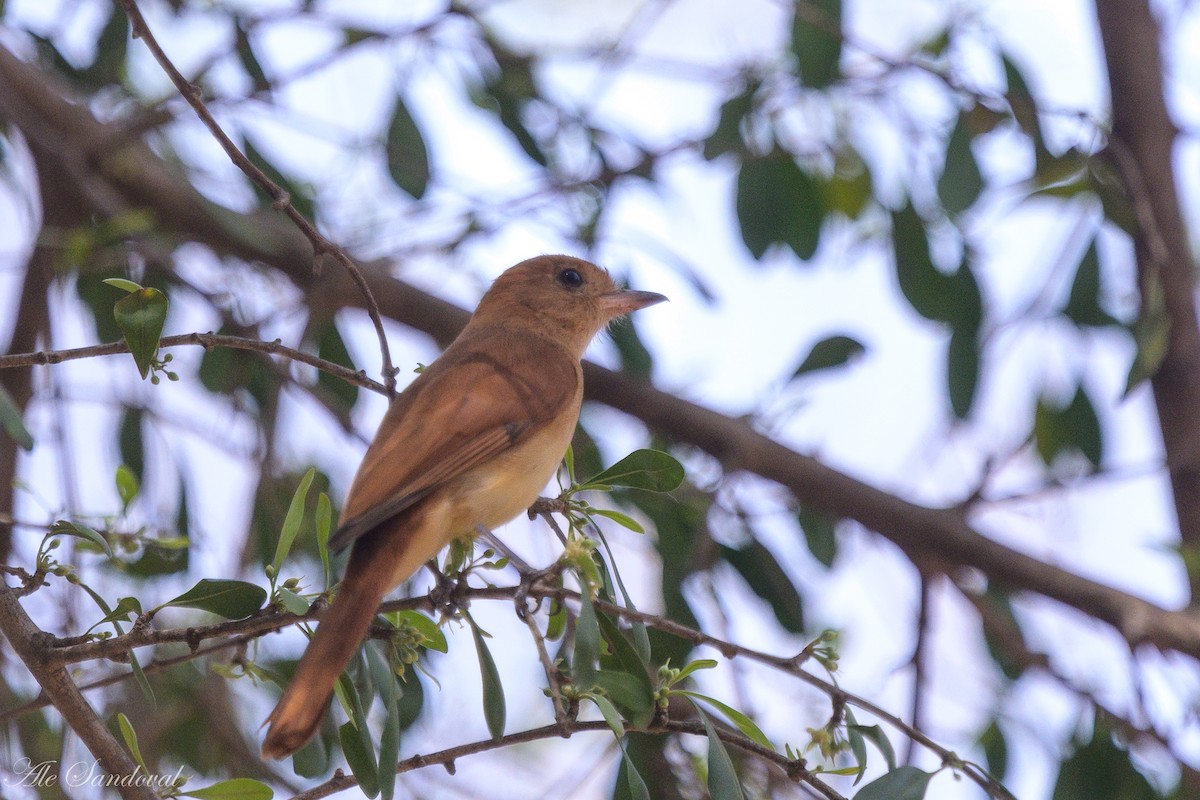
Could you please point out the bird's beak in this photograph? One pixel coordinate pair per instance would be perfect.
(626, 301)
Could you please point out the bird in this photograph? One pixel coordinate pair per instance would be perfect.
(470, 442)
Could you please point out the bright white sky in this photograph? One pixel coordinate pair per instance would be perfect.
(884, 419)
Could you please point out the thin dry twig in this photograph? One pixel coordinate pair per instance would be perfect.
(279, 197)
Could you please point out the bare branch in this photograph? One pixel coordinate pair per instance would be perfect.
(279, 197)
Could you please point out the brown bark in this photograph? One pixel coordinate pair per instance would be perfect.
(1143, 138)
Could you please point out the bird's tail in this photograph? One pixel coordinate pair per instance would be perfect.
(338, 636)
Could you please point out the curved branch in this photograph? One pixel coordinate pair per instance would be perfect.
(279, 197)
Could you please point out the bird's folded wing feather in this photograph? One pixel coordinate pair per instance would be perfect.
(455, 417)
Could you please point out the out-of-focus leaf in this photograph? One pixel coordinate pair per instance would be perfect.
(962, 368)
(1099, 770)
(331, 347)
(1083, 305)
(141, 316)
(1075, 427)
(130, 443)
(131, 738)
(650, 470)
(995, 750)
(226, 598)
(493, 690)
(407, 155)
(249, 59)
(627, 693)
(1022, 103)
(108, 68)
(13, 422)
(726, 136)
(1151, 334)
(819, 531)
(763, 574)
(961, 182)
(830, 352)
(903, 783)
(850, 188)
(779, 202)
(1002, 633)
(926, 288)
(635, 358)
(817, 41)
(389, 748)
(301, 199)
(127, 485)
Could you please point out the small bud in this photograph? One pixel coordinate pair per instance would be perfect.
(171, 376)
(154, 380)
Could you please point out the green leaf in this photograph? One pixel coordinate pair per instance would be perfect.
(292, 602)
(830, 352)
(12, 420)
(389, 748)
(819, 531)
(694, 666)
(817, 41)
(407, 155)
(650, 470)
(131, 739)
(129, 441)
(1099, 770)
(493, 689)
(1151, 334)
(293, 520)
(636, 359)
(624, 520)
(80, 531)
(995, 750)
(962, 368)
(875, 735)
(1075, 427)
(143, 682)
(587, 644)
(766, 578)
(226, 598)
(1083, 305)
(141, 315)
(744, 724)
(121, 283)
(928, 290)
(360, 759)
(961, 182)
(905, 783)
(850, 188)
(248, 58)
(628, 693)
(726, 137)
(233, 789)
(121, 611)
(331, 347)
(108, 68)
(779, 202)
(127, 486)
(609, 712)
(634, 782)
(434, 638)
(324, 525)
(723, 783)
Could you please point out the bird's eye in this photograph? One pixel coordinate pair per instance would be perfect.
(570, 278)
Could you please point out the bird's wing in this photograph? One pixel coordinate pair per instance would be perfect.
(462, 412)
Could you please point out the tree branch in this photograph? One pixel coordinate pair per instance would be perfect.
(1143, 138)
(279, 197)
(28, 642)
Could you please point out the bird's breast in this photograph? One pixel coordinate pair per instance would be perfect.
(500, 490)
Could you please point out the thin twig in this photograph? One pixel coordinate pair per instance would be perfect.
(279, 197)
(205, 340)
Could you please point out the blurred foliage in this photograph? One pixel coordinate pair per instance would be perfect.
(792, 191)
